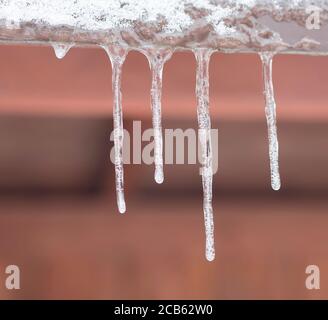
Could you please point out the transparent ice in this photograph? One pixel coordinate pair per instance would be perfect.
(117, 57)
(61, 48)
(157, 59)
(204, 135)
(270, 112)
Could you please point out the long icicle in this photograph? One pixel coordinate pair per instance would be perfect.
(117, 57)
(157, 59)
(204, 133)
(270, 112)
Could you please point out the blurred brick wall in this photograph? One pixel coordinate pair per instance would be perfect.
(33, 80)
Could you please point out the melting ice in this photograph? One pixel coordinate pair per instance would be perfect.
(61, 49)
(270, 112)
(204, 136)
(117, 57)
(157, 59)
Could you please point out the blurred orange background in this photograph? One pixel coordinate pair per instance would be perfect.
(58, 216)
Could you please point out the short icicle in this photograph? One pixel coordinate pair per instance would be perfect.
(270, 112)
(61, 48)
(204, 132)
(157, 59)
(117, 57)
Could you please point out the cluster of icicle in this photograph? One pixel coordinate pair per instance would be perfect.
(157, 59)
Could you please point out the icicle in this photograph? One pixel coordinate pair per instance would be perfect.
(270, 112)
(117, 57)
(61, 48)
(204, 132)
(157, 59)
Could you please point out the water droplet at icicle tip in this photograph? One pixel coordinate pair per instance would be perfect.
(204, 136)
(270, 112)
(157, 59)
(117, 57)
(61, 48)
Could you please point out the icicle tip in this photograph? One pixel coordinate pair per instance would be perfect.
(121, 203)
(210, 257)
(276, 186)
(159, 176)
(122, 207)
